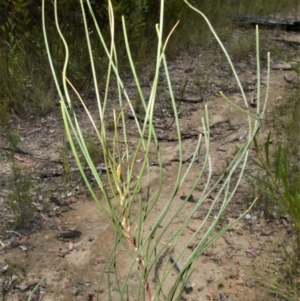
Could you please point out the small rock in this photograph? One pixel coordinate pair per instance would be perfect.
(5, 268)
(23, 248)
(73, 199)
(247, 216)
(22, 287)
(291, 80)
(287, 78)
(234, 274)
(281, 66)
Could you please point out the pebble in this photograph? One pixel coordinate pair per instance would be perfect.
(281, 66)
(247, 216)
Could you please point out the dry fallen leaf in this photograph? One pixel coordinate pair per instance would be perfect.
(268, 231)
(73, 199)
(223, 260)
(211, 291)
(53, 251)
(23, 239)
(21, 159)
(71, 245)
(253, 252)
(45, 218)
(232, 290)
(98, 261)
(32, 282)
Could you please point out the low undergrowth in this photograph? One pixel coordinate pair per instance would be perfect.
(278, 182)
(26, 86)
(126, 194)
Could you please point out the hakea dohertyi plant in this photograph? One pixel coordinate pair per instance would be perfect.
(124, 183)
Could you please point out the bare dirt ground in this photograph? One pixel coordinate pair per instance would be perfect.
(227, 271)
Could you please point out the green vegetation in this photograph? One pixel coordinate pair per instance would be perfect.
(10, 275)
(21, 187)
(26, 85)
(20, 198)
(279, 165)
(281, 182)
(127, 197)
(277, 181)
(94, 149)
(27, 88)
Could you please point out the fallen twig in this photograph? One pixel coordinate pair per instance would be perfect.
(288, 25)
(34, 131)
(291, 43)
(188, 287)
(14, 232)
(22, 152)
(59, 173)
(159, 263)
(189, 99)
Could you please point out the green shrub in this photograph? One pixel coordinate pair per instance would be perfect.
(128, 197)
(20, 199)
(22, 51)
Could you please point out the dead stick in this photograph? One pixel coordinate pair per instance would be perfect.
(188, 287)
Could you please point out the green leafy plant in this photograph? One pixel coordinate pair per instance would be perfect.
(278, 177)
(128, 198)
(277, 180)
(20, 200)
(286, 286)
(66, 164)
(278, 183)
(10, 275)
(94, 149)
(26, 86)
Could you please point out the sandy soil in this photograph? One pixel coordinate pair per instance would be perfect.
(229, 270)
